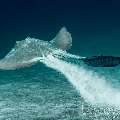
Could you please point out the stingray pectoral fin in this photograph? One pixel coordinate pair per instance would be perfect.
(63, 39)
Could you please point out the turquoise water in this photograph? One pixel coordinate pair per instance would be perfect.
(41, 93)
(41, 82)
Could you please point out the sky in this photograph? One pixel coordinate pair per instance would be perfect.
(93, 24)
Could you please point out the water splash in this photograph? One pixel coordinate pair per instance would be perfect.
(93, 87)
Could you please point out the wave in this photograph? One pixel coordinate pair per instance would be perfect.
(29, 51)
(93, 87)
(25, 53)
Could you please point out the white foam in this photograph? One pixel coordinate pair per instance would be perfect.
(60, 52)
(92, 87)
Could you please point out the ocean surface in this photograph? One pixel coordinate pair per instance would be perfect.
(55, 86)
